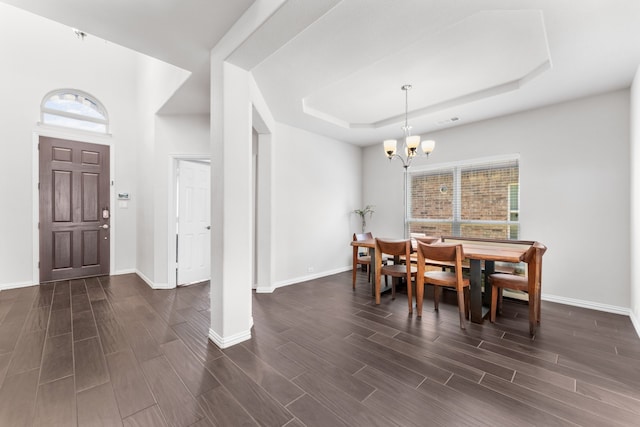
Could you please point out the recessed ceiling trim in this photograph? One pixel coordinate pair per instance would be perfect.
(465, 99)
(454, 102)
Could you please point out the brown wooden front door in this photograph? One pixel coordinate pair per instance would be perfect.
(74, 209)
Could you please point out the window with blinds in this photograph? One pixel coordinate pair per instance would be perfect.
(472, 199)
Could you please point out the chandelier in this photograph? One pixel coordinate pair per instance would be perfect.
(411, 142)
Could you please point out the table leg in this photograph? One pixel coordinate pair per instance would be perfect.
(489, 269)
(475, 290)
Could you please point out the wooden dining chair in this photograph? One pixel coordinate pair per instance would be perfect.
(396, 249)
(531, 283)
(362, 259)
(359, 259)
(453, 255)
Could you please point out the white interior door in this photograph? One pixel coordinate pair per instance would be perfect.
(194, 222)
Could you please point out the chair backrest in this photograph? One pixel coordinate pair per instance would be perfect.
(533, 258)
(531, 253)
(426, 239)
(393, 247)
(357, 237)
(440, 252)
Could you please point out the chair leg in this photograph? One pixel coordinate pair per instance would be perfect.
(369, 273)
(539, 303)
(353, 276)
(494, 302)
(461, 308)
(410, 293)
(419, 298)
(436, 296)
(533, 299)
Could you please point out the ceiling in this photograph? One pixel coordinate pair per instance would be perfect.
(336, 67)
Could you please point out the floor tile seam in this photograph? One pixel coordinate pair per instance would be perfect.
(180, 377)
(229, 393)
(471, 353)
(609, 391)
(632, 384)
(35, 398)
(542, 408)
(431, 354)
(518, 352)
(99, 340)
(44, 346)
(331, 411)
(580, 407)
(20, 336)
(146, 408)
(254, 382)
(428, 355)
(409, 368)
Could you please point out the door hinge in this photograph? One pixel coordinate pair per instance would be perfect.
(38, 186)
(38, 226)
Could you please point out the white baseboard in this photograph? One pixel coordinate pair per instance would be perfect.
(150, 282)
(635, 322)
(7, 286)
(587, 304)
(300, 279)
(126, 271)
(231, 340)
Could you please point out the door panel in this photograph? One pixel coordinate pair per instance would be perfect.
(74, 192)
(62, 187)
(194, 236)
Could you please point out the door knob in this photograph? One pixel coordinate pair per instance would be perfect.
(105, 226)
(208, 227)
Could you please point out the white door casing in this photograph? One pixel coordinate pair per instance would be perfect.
(194, 223)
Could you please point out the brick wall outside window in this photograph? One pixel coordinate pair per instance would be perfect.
(485, 192)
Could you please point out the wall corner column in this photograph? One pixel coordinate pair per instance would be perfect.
(231, 204)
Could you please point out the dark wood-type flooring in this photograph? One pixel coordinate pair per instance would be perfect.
(111, 351)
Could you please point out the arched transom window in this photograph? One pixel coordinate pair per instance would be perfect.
(74, 109)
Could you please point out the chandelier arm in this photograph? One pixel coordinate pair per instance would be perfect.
(405, 162)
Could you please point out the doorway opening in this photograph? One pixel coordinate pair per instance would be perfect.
(189, 231)
(261, 221)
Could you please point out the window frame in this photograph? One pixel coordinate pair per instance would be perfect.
(456, 209)
(79, 117)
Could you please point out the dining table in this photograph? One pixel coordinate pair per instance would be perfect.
(482, 255)
(487, 252)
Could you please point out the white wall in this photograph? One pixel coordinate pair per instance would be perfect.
(316, 184)
(635, 201)
(574, 177)
(175, 135)
(39, 55)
